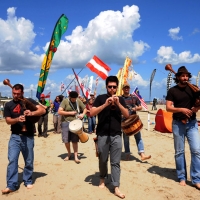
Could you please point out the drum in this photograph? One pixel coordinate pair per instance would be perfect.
(132, 125)
(76, 127)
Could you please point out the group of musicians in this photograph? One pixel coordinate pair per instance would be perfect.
(109, 108)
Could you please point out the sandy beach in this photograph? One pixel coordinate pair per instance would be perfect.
(58, 179)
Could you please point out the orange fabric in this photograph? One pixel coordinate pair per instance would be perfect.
(163, 121)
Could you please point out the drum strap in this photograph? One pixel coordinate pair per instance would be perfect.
(77, 106)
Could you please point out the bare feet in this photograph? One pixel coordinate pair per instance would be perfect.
(67, 158)
(6, 191)
(30, 186)
(144, 157)
(77, 161)
(182, 183)
(102, 183)
(118, 193)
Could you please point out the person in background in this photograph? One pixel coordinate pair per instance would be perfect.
(70, 110)
(109, 132)
(154, 104)
(56, 116)
(92, 96)
(180, 101)
(134, 105)
(91, 119)
(20, 140)
(44, 118)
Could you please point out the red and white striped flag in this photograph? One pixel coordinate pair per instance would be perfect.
(99, 67)
(85, 91)
(137, 94)
(48, 95)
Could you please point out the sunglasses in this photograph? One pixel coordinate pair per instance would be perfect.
(112, 86)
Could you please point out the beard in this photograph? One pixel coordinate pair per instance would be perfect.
(183, 82)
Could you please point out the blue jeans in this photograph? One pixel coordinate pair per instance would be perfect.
(189, 131)
(16, 145)
(91, 124)
(138, 140)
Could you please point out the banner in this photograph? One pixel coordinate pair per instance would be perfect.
(99, 67)
(137, 94)
(122, 75)
(59, 30)
(151, 80)
(169, 81)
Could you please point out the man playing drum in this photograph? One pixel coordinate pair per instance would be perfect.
(133, 104)
(70, 110)
(109, 109)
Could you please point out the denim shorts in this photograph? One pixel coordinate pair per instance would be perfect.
(68, 136)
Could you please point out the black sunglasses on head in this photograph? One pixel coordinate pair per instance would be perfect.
(112, 86)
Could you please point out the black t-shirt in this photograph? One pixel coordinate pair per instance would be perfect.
(109, 121)
(14, 109)
(182, 97)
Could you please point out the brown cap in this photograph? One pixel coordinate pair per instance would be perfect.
(182, 70)
(126, 85)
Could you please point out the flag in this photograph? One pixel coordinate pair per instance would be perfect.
(80, 85)
(77, 89)
(85, 91)
(97, 80)
(151, 80)
(62, 86)
(99, 67)
(90, 83)
(59, 30)
(169, 81)
(122, 75)
(48, 95)
(69, 90)
(137, 94)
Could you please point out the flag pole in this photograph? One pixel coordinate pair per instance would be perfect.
(71, 82)
(79, 84)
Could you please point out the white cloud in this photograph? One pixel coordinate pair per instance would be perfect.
(37, 48)
(196, 30)
(109, 35)
(173, 33)
(168, 55)
(16, 39)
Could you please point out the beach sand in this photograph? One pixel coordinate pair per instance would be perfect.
(57, 179)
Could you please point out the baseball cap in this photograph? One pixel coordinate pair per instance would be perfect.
(126, 85)
(42, 96)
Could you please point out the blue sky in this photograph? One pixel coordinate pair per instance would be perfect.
(151, 33)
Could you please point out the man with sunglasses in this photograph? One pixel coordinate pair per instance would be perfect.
(133, 104)
(109, 109)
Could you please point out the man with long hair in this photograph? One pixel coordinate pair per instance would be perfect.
(180, 101)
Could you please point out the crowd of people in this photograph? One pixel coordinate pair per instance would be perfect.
(105, 114)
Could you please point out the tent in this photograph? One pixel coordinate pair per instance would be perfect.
(163, 121)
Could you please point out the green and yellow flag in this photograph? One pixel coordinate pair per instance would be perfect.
(59, 30)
